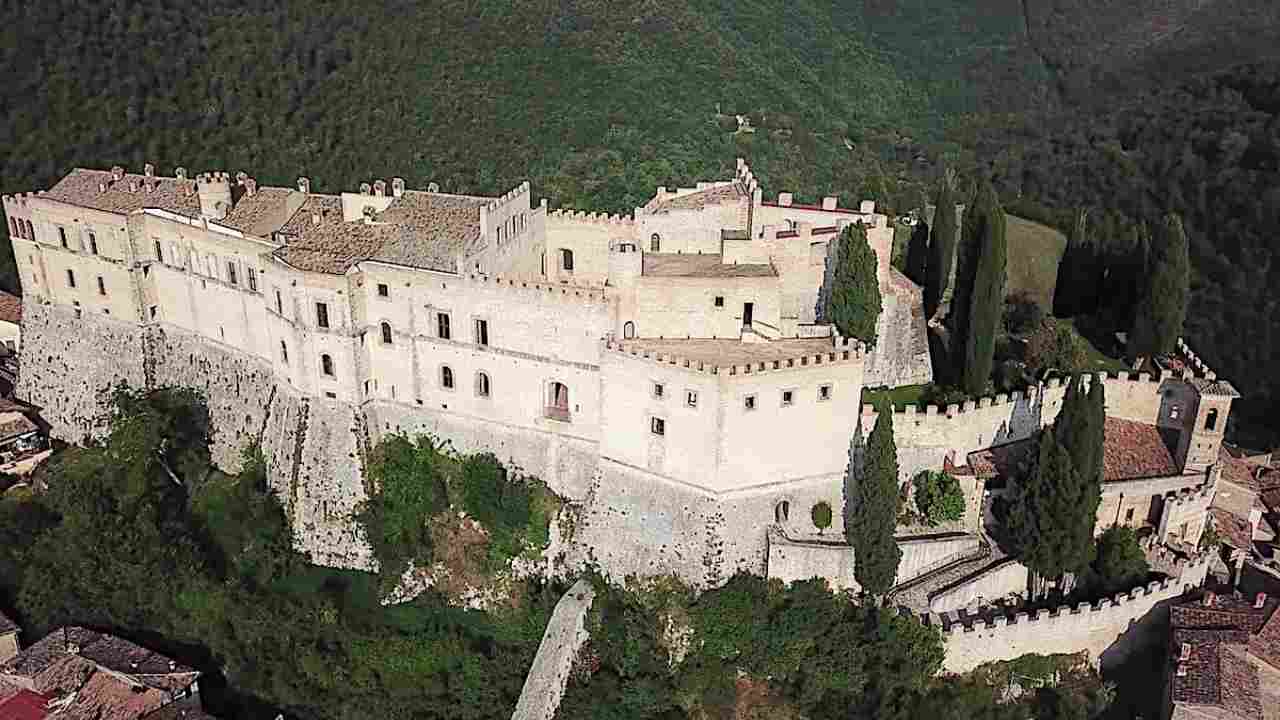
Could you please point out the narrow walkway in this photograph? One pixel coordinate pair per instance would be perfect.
(914, 593)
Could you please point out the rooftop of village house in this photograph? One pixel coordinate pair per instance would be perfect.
(1130, 451)
(1215, 639)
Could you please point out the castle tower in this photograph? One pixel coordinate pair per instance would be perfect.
(214, 190)
(1203, 439)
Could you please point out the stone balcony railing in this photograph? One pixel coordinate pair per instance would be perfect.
(557, 413)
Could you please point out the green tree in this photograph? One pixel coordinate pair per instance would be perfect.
(978, 327)
(1119, 564)
(938, 497)
(876, 553)
(854, 303)
(917, 262)
(942, 245)
(1080, 271)
(821, 516)
(411, 488)
(1162, 310)
(973, 231)
(1042, 519)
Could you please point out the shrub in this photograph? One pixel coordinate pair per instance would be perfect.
(1022, 314)
(821, 515)
(1055, 345)
(938, 497)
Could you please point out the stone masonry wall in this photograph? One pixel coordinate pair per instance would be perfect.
(791, 560)
(565, 634)
(993, 582)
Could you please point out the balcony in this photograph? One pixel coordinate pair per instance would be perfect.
(557, 413)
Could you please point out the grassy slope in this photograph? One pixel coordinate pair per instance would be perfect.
(1034, 253)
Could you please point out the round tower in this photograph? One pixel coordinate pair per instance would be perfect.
(214, 190)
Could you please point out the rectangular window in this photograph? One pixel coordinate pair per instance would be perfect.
(383, 290)
(159, 252)
(322, 315)
(331, 395)
(719, 301)
(442, 326)
(657, 426)
(279, 302)
(658, 391)
(71, 278)
(482, 332)
(231, 272)
(62, 236)
(154, 310)
(749, 402)
(93, 243)
(1128, 516)
(788, 397)
(102, 286)
(691, 398)
(252, 276)
(824, 392)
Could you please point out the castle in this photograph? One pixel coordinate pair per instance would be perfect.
(669, 372)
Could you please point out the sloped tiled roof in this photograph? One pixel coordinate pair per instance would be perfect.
(23, 705)
(1232, 528)
(1219, 638)
(700, 199)
(187, 708)
(7, 626)
(81, 187)
(701, 266)
(1217, 387)
(1132, 450)
(10, 308)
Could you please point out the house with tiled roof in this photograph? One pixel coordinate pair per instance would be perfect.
(1224, 658)
(82, 674)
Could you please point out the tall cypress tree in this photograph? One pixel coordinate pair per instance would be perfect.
(1080, 271)
(942, 245)
(1044, 514)
(985, 299)
(917, 263)
(854, 303)
(1162, 310)
(977, 213)
(874, 515)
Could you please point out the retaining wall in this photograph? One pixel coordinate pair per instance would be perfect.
(994, 581)
(791, 560)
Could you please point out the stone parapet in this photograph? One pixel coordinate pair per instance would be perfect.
(844, 350)
(588, 218)
(567, 291)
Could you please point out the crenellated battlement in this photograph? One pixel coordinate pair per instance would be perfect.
(512, 195)
(843, 350)
(562, 290)
(591, 218)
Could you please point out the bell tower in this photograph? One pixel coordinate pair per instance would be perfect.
(1203, 438)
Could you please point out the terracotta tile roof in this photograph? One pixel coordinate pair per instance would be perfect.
(187, 708)
(1231, 528)
(1132, 450)
(727, 192)
(1254, 476)
(1220, 637)
(10, 308)
(1007, 460)
(263, 212)
(1228, 612)
(703, 266)
(8, 626)
(1266, 642)
(23, 705)
(13, 424)
(80, 187)
(1217, 387)
(418, 229)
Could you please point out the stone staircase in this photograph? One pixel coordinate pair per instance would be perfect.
(915, 593)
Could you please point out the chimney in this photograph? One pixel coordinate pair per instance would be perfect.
(433, 187)
(1185, 651)
(173, 665)
(304, 186)
(315, 219)
(380, 188)
(867, 207)
(133, 185)
(1259, 600)
(784, 199)
(397, 187)
(149, 170)
(241, 177)
(1208, 599)
(368, 212)
(117, 173)
(829, 203)
(364, 188)
(180, 173)
(250, 187)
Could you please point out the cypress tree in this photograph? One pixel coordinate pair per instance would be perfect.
(917, 263)
(1162, 310)
(1043, 520)
(985, 305)
(854, 303)
(874, 514)
(942, 245)
(1080, 271)
(977, 214)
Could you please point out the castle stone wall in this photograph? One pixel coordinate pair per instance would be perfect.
(901, 354)
(992, 582)
(791, 560)
(565, 634)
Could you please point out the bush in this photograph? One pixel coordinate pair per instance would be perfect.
(821, 515)
(1022, 314)
(938, 497)
(1055, 345)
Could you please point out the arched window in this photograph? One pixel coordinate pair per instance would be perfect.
(558, 401)
(386, 333)
(1211, 420)
(446, 377)
(30, 233)
(628, 330)
(782, 511)
(482, 385)
(326, 365)
(566, 259)
(655, 242)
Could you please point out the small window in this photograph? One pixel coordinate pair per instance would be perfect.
(782, 511)
(284, 353)
(1174, 412)
(279, 302)
(824, 392)
(252, 276)
(566, 260)
(628, 330)
(655, 242)
(102, 286)
(383, 290)
(1128, 516)
(482, 385)
(657, 426)
(386, 333)
(788, 397)
(62, 236)
(326, 365)
(93, 243)
(446, 377)
(322, 315)
(442, 326)
(658, 391)
(154, 310)
(719, 301)
(231, 273)
(691, 398)
(159, 252)
(71, 278)
(1211, 419)
(482, 332)
(331, 395)
(749, 402)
